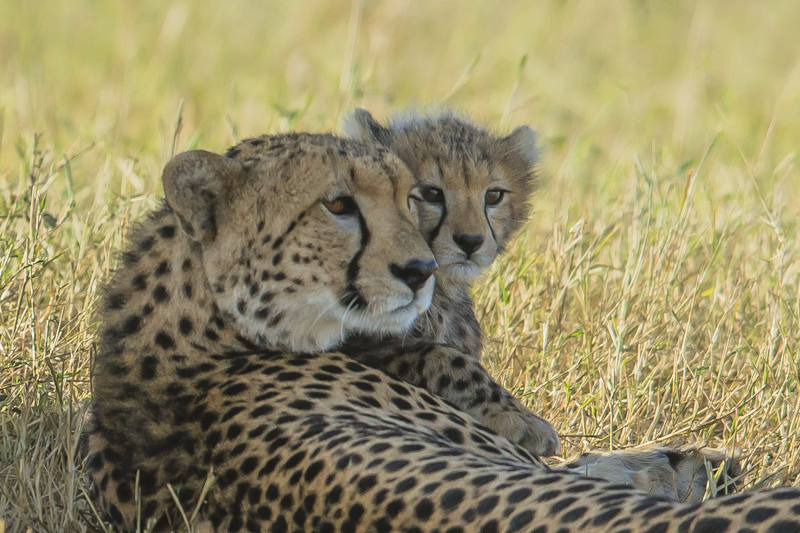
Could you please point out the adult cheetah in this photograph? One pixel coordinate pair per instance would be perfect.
(211, 406)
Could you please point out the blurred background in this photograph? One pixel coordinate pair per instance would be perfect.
(653, 297)
(602, 82)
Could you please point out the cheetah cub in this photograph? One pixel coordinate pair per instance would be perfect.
(472, 196)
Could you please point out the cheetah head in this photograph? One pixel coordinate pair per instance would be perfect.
(304, 238)
(473, 187)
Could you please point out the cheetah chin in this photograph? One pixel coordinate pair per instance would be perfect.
(463, 271)
(393, 315)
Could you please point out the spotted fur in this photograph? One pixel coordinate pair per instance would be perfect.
(202, 416)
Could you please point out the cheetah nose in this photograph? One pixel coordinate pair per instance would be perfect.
(468, 243)
(414, 273)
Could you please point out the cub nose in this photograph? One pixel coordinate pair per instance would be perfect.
(414, 273)
(468, 243)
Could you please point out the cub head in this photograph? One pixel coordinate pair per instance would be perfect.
(472, 187)
(304, 238)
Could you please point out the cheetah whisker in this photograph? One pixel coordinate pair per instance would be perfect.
(323, 313)
(344, 315)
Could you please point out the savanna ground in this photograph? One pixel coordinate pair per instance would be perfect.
(654, 296)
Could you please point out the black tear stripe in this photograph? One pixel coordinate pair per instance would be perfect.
(435, 231)
(489, 223)
(351, 294)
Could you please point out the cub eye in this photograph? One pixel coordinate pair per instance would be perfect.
(341, 206)
(432, 195)
(494, 196)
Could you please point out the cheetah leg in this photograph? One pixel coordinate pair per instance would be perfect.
(678, 473)
(467, 385)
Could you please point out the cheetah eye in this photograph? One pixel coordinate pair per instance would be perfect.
(341, 206)
(493, 197)
(432, 195)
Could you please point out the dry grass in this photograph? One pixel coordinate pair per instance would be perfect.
(654, 295)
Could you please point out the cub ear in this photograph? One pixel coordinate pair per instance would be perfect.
(520, 147)
(194, 183)
(363, 127)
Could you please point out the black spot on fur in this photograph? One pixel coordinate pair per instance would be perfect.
(519, 521)
(519, 495)
(573, 515)
(275, 320)
(185, 326)
(714, 524)
(454, 435)
(162, 268)
(130, 258)
(483, 480)
(405, 485)
(148, 367)
(116, 300)
(395, 507)
(486, 505)
(759, 514)
(424, 509)
(131, 325)
(236, 388)
(782, 526)
(160, 294)
(139, 282)
(452, 499)
(164, 340)
(146, 244)
(166, 232)
(786, 494)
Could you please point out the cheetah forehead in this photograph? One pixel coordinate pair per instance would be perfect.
(307, 167)
(443, 135)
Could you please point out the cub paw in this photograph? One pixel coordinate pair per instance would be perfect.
(522, 427)
(677, 473)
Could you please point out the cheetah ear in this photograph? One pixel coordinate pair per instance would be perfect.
(194, 184)
(519, 153)
(363, 127)
(520, 147)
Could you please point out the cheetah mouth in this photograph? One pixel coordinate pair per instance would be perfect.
(463, 269)
(394, 315)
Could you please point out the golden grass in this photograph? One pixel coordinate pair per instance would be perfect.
(653, 296)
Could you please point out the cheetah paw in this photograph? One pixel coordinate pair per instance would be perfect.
(532, 432)
(677, 473)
